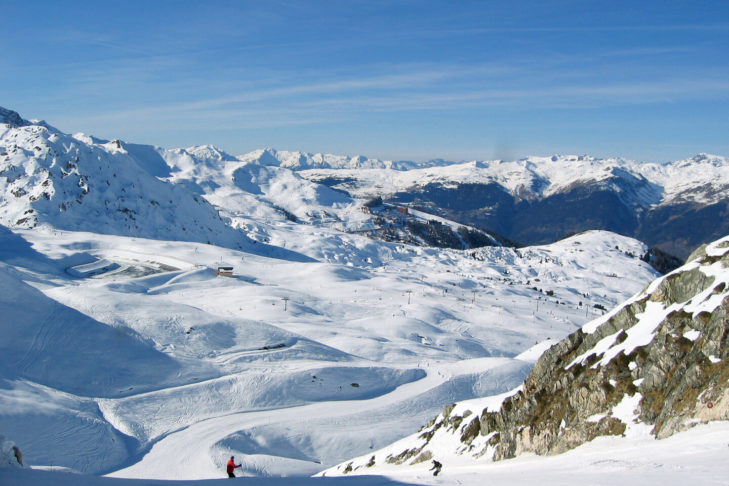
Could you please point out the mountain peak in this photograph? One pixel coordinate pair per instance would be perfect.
(715, 160)
(209, 152)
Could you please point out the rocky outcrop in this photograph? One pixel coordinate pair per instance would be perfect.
(10, 117)
(10, 455)
(658, 362)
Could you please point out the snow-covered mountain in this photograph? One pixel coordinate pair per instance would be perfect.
(82, 183)
(197, 194)
(308, 161)
(675, 206)
(655, 365)
(123, 353)
(205, 194)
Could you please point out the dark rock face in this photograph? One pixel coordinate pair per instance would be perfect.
(674, 229)
(679, 228)
(660, 361)
(11, 118)
(616, 204)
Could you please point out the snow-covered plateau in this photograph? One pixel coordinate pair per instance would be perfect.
(127, 354)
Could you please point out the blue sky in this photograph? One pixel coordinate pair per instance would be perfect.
(646, 80)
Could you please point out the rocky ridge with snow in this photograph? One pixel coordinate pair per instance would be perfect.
(675, 206)
(656, 364)
(79, 182)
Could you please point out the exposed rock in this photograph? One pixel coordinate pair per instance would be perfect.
(11, 117)
(678, 371)
(10, 455)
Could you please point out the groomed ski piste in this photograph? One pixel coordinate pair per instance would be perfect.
(131, 358)
(696, 456)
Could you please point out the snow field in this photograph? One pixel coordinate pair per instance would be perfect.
(288, 364)
(697, 456)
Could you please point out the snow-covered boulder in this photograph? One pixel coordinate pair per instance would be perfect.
(10, 455)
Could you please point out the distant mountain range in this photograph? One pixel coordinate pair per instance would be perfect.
(675, 206)
(203, 194)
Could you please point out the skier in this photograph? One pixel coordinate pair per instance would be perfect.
(436, 467)
(231, 467)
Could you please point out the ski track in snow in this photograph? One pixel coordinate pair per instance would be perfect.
(230, 371)
(697, 456)
(192, 446)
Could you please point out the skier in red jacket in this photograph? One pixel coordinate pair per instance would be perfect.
(231, 467)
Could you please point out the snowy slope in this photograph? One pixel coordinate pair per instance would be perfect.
(288, 364)
(697, 456)
(652, 367)
(244, 190)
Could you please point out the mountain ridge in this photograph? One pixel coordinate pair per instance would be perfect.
(674, 206)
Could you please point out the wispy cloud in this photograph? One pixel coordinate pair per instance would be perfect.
(365, 69)
(580, 29)
(452, 88)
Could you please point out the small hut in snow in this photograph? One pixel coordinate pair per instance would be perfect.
(224, 270)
